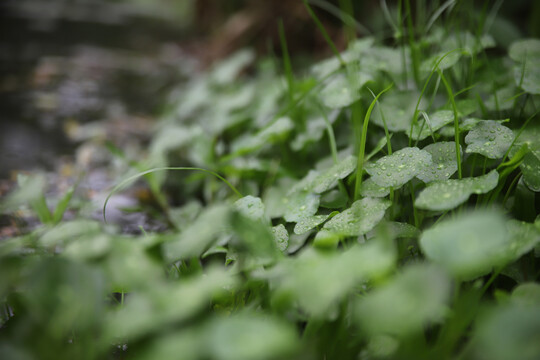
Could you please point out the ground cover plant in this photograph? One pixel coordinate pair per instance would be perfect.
(379, 204)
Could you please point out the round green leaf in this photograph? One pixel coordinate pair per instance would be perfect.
(449, 60)
(525, 50)
(342, 90)
(447, 194)
(507, 332)
(281, 237)
(308, 223)
(404, 306)
(197, 237)
(251, 207)
(360, 218)
(421, 129)
(316, 280)
(523, 238)
(398, 110)
(502, 99)
(250, 336)
(319, 182)
(467, 41)
(527, 294)
(489, 138)
(300, 205)
(271, 134)
(313, 132)
(397, 169)
(329, 178)
(371, 189)
(444, 162)
(530, 167)
(527, 76)
(469, 245)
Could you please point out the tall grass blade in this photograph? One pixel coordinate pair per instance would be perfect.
(362, 150)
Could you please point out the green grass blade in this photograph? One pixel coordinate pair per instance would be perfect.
(433, 71)
(62, 205)
(42, 210)
(456, 120)
(362, 150)
(412, 44)
(386, 132)
(286, 60)
(126, 182)
(331, 136)
(324, 33)
(347, 8)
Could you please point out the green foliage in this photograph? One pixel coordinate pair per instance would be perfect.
(448, 194)
(291, 228)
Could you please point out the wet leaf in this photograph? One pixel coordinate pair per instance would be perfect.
(398, 110)
(470, 43)
(525, 50)
(281, 237)
(421, 129)
(527, 76)
(447, 194)
(360, 218)
(398, 229)
(449, 60)
(343, 90)
(314, 131)
(371, 189)
(405, 305)
(384, 58)
(275, 132)
(397, 169)
(465, 107)
(328, 66)
(300, 205)
(489, 138)
(530, 167)
(330, 177)
(334, 199)
(469, 245)
(444, 162)
(251, 207)
(502, 99)
(308, 223)
(275, 198)
(523, 238)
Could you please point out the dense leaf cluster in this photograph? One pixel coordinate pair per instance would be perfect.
(398, 227)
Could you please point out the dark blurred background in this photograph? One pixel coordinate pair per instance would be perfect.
(67, 62)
